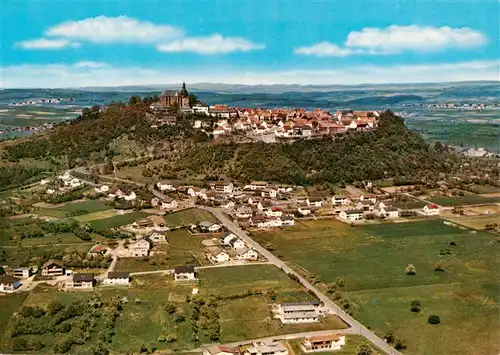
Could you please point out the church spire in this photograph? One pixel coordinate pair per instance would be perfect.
(184, 91)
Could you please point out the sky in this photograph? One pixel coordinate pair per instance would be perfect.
(76, 43)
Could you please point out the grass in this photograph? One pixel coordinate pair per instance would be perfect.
(372, 260)
(183, 248)
(35, 254)
(90, 206)
(117, 221)
(464, 200)
(188, 217)
(350, 348)
(9, 304)
(409, 204)
(476, 222)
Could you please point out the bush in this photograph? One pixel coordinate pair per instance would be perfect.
(364, 349)
(399, 345)
(415, 306)
(389, 337)
(411, 269)
(433, 319)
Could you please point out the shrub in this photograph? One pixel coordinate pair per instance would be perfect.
(433, 319)
(399, 345)
(389, 337)
(411, 269)
(415, 306)
(364, 349)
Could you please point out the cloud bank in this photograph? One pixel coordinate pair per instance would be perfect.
(210, 45)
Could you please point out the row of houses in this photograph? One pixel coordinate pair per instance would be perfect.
(233, 249)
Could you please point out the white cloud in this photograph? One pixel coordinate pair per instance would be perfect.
(90, 64)
(397, 39)
(210, 45)
(78, 75)
(122, 29)
(324, 49)
(44, 43)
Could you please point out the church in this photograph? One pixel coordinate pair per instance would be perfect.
(173, 99)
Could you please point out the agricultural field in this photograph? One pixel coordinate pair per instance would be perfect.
(75, 208)
(409, 204)
(189, 216)
(464, 200)
(183, 248)
(117, 220)
(145, 317)
(371, 260)
(475, 222)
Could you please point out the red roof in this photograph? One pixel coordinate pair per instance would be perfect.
(433, 206)
(276, 209)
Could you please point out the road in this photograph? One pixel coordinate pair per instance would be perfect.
(356, 327)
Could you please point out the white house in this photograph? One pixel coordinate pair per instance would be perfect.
(22, 272)
(220, 256)
(9, 283)
(266, 348)
(255, 185)
(389, 212)
(431, 209)
(73, 182)
(102, 189)
(169, 203)
(260, 222)
(351, 215)
(226, 237)
(305, 211)
(314, 201)
(236, 243)
(298, 312)
(323, 343)
(273, 212)
(201, 110)
(165, 186)
(227, 205)
(341, 200)
(117, 278)
(247, 254)
(268, 193)
(287, 221)
(157, 236)
(243, 212)
(224, 187)
(184, 273)
(207, 226)
(139, 248)
(219, 350)
(371, 198)
(130, 197)
(65, 177)
(84, 281)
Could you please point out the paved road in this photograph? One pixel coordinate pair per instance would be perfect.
(357, 327)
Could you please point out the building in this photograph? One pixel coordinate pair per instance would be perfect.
(220, 256)
(287, 221)
(226, 237)
(389, 212)
(158, 236)
(266, 348)
(165, 186)
(268, 193)
(184, 273)
(323, 343)
(236, 243)
(340, 200)
(81, 281)
(224, 187)
(255, 185)
(173, 99)
(274, 211)
(351, 215)
(169, 203)
(117, 278)
(9, 283)
(431, 209)
(210, 227)
(22, 272)
(139, 248)
(298, 312)
(246, 254)
(53, 268)
(315, 202)
(243, 212)
(219, 350)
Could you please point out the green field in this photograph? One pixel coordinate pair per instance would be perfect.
(183, 248)
(36, 255)
(409, 204)
(9, 304)
(188, 217)
(372, 260)
(90, 206)
(117, 221)
(464, 200)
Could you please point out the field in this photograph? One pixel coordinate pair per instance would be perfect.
(117, 221)
(464, 200)
(409, 204)
(476, 222)
(372, 260)
(66, 210)
(183, 248)
(189, 216)
(144, 319)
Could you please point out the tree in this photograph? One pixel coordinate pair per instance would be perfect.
(415, 306)
(389, 337)
(433, 319)
(399, 345)
(170, 308)
(411, 269)
(364, 349)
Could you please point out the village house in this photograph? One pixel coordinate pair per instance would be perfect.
(223, 187)
(263, 204)
(101, 189)
(200, 109)
(84, 281)
(287, 221)
(298, 312)
(268, 193)
(431, 209)
(184, 273)
(98, 249)
(323, 343)
(169, 203)
(53, 268)
(351, 215)
(209, 227)
(117, 278)
(158, 236)
(371, 198)
(266, 348)
(165, 186)
(315, 201)
(236, 243)
(9, 283)
(22, 272)
(389, 212)
(273, 212)
(304, 210)
(139, 248)
(226, 237)
(220, 350)
(255, 185)
(246, 254)
(271, 222)
(341, 200)
(219, 256)
(365, 205)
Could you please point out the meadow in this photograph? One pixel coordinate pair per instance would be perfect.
(117, 221)
(70, 208)
(464, 200)
(372, 259)
(188, 217)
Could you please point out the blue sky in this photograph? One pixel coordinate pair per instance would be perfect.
(85, 43)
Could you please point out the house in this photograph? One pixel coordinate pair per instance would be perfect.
(266, 348)
(165, 186)
(81, 281)
(236, 243)
(117, 278)
(255, 185)
(365, 205)
(169, 203)
(220, 256)
(287, 221)
(274, 211)
(9, 283)
(53, 268)
(219, 350)
(139, 248)
(227, 205)
(73, 183)
(242, 211)
(298, 312)
(341, 200)
(207, 226)
(246, 254)
(130, 197)
(226, 237)
(431, 209)
(22, 272)
(184, 273)
(323, 343)
(98, 249)
(351, 215)
(65, 177)
(224, 187)
(269, 193)
(305, 211)
(314, 201)
(157, 236)
(371, 198)
(389, 212)
(102, 189)
(262, 222)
